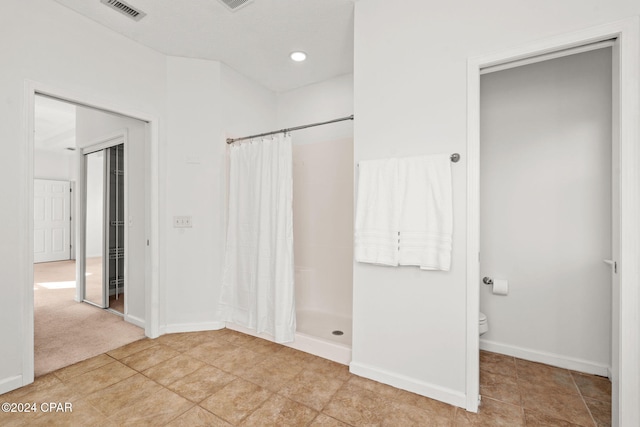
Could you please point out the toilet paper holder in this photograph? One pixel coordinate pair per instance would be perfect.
(487, 281)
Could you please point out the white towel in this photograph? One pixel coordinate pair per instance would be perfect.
(377, 212)
(426, 212)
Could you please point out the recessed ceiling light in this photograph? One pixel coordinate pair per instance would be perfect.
(298, 56)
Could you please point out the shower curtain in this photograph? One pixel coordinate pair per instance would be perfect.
(257, 288)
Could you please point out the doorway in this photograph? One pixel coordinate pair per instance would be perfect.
(625, 271)
(545, 225)
(66, 329)
(546, 209)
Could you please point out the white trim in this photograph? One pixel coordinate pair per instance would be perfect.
(74, 221)
(192, 327)
(26, 223)
(548, 56)
(473, 241)
(25, 207)
(432, 391)
(109, 140)
(134, 320)
(627, 32)
(558, 360)
(11, 383)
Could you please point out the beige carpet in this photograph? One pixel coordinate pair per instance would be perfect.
(66, 331)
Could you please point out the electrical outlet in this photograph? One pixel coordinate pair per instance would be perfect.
(182, 222)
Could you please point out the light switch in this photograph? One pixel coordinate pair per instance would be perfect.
(182, 221)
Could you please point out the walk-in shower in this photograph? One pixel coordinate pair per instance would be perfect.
(323, 246)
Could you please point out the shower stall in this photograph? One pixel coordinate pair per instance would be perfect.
(323, 202)
(323, 243)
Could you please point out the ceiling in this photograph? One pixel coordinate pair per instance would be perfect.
(255, 39)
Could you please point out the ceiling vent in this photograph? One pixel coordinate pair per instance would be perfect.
(234, 5)
(125, 9)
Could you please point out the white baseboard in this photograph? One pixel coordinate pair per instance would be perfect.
(11, 383)
(192, 327)
(134, 320)
(552, 359)
(432, 391)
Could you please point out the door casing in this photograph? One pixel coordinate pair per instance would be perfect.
(626, 103)
(152, 294)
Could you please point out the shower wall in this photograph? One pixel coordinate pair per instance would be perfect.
(323, 225)
(322, 194)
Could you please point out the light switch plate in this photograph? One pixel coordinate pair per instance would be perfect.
(182, 221)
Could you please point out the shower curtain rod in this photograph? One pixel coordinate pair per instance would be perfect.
(341, 119)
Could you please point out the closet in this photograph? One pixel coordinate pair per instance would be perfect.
(104, 227)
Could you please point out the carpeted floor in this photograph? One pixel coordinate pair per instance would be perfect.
(66, 331)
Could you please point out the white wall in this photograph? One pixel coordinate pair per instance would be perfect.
(45, 42)
(206, 102)
(327, 100)
(323, 226)
(545, 217)
(410, 98)
(247, 108)
(322, 194)
(56, 165)
(93, 126)
(194, 187)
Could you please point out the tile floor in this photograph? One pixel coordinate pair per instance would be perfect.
(223, 378)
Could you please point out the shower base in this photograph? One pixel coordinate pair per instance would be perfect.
(314, 335)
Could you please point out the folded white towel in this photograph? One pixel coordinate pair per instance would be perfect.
(426, 213)
(377, 212)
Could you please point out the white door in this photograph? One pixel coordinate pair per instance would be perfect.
(51, 220)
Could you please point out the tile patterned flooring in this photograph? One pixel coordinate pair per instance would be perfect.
(225, 378)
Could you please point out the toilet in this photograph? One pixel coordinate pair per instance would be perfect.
(484, 325)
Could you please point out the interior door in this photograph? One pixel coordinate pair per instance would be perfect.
(95, 187)
(51, 220)
(104, 228)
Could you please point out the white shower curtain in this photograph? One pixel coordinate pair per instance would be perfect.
(257, 288)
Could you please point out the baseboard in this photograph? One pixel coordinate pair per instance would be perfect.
(432, 391)
(192, 327)
(134, 320)
(11, 383)
(552, 359)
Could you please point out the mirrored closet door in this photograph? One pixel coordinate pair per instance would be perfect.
(104, 227)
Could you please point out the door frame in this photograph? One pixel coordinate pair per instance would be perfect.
(626, 67)
(152, 293)
(100, 144)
